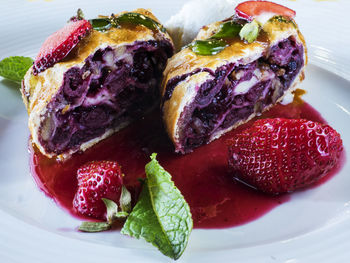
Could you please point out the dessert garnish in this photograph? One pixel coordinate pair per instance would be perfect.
(227, 29)
(108, 80)
(79, 16)
(234, 70)
(216, 42)
(252, 9)
(161, 216)
(57, 46)
(97, 180)
(274, 155)
(113, 212)
(250, 31)
(245, 24)
(14, 68)
(208, 47)
(103, 24)
(282, 155)
(221, 39)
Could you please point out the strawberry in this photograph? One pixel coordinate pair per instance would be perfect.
(282, 155)
(250, 9)
(58, 45)
(97, 180)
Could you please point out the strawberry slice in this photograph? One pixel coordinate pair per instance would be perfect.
(97, 180)
(250, 9)
(282, 155)
(58, 45)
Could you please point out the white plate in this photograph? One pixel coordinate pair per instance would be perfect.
(313, 227)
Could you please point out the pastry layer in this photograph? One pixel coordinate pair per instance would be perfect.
(107, 92)
(108, 80)
(206, 96)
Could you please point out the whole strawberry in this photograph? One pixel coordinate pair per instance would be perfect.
(97, 180)
(57, 46)
(282, 155)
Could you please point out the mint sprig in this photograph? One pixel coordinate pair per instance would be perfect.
(161, 216)
(221, 39)
(14, 68)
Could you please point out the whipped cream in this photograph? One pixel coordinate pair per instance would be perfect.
(184, 26)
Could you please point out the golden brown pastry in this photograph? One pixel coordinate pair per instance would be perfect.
(217, 83)
(108, 79)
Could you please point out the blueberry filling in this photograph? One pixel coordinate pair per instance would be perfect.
(113, 88)
(235, 92)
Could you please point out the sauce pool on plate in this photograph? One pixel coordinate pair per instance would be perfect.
(215, 198)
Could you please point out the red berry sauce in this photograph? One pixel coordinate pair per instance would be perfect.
(216, 200)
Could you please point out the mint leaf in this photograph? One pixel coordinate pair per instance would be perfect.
(143, 222)
(250, 31)
(229, 29)
(100, 24)
(161, 216)
(137, 19)
(14, 68)
(208, 47)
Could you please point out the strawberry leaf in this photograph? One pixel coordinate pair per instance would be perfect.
(125, 200)
(78, 16)
(14, 68)
(94, 226)
(161, 216)
(121, 215)
(112, 209)
(112, 214)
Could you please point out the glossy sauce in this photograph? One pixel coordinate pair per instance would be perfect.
(215, 198)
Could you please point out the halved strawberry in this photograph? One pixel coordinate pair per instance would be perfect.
(250, 9)
(97, 180)
(282, 155)
(58, 45)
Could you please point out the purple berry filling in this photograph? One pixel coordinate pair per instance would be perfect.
(110, 90)
(221, 101)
